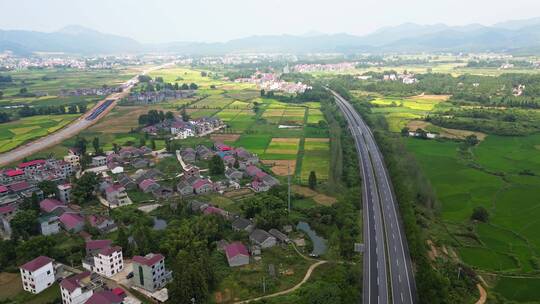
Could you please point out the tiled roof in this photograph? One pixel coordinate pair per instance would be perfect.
(31, 163)
(6, 209)
(49, 204)
(3, 188)
(23, 185)
(71, 220)
(234, 249)
(14, 172)
(149, 259)
(73, 282)
(98, 244)
(104, 297)
(37, 263)
(110, 250)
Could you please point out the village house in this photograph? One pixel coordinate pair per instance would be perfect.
(163, 192)
(150, 272)
(74, 160)
(104, 259)
(125, 181)
(148, 185)
(38, 274)
(188, 155)
(184, 188)
(71, 222)
(216, 211)
(140, 163)
(49, 224)
(197, 206)
(48, 205)
(105, 297)
(233, 174)
(78, 288)
(258, 186)
(237, 254)
(102, 223)
(117, 196)
(202, 186)
(242, 224)
(203, 152)
(99, 161)
(280, 236)
(262, 238)
(64, 192)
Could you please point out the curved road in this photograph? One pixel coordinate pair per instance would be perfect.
(388, 275)
(73, 128)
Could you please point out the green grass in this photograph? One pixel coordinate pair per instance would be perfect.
(487, 259)
(519, 289)
(279, 149)
(316, 158)
(13, 134)
(254, 143)
(314, 116)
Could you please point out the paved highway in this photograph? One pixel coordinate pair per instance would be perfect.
(73, 128)
(388, 276)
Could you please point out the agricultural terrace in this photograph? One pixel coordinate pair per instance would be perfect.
(501, 180)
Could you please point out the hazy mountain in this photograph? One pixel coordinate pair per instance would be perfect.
(518, 36)
(71, 39)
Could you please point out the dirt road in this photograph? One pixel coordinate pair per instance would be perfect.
(73, 128)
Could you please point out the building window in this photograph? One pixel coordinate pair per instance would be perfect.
(141, 276)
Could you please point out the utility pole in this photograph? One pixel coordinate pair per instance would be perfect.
(289, 186)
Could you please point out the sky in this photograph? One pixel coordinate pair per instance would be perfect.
(221, 20)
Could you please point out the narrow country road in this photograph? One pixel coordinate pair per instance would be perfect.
(292, 289)
(74, 127)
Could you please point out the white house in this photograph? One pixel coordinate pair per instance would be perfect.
(78, 288)
(98, 161)
(64, 192)
(106, 262)
(38, 274)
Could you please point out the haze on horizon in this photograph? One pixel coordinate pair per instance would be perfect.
(218, 20)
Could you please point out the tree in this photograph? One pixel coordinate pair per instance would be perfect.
(23, 91)
(82, 108)
(84, 187)
(236, 164)
(471, 140)
(80, 144)
(169, 115)
(72, 109)
(185, 86)
(216, 165)
(405, 131)
(142, 142)
(95, 144)
(189, 284)
(153, 144)
(4, 117)
(48, 187)
(263, 93)
(1, 94)
(184, 114)
(122, 239)
(24, 224)
(312, 180)
(480, 214)
(193, 86)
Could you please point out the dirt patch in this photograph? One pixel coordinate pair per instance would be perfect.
(224, 137)
(10, 285)
(317, 139)
(281, 167)
(281, 151)
(237, 193)
(444, 132)
(121, 119)
(432, 97)
(285, 140)
(319, 198)
(433, 253)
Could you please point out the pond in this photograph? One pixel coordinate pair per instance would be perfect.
(319, 244)
(159, 224)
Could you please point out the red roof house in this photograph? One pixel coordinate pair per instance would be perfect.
(74, 282)
(72, 222)
(237, 254)
(32, 163)
(48, 205)
(148, 260)
(37, 263)
(104, 297)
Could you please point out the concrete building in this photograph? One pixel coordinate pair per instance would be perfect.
(78, 288)
(38, 274)
(149, 272)
(98, 161)
(107, 261)
(64, 193)
(262, 238)
(49, 224)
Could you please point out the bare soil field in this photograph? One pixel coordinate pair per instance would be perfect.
(225, 137)
(445, 132)
(319, 198)
(280, 167)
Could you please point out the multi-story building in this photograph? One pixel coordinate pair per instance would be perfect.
(98, 161)
(38, 274)
(107, 261)
(64, 192)
(49, 224)
(78, 288)
(73, 159)
(149, 272)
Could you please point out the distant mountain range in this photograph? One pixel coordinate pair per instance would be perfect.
(518, 36)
